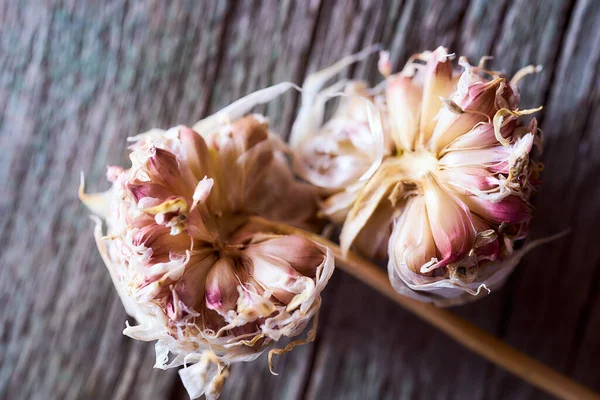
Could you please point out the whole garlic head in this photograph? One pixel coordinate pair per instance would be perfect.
(463, 178)
(207, 283)
(448, 202)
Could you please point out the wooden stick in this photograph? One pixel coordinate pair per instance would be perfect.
(464, 332)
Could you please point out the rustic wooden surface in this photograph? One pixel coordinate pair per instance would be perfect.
(77, 77)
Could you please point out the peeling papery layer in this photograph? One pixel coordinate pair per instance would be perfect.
(243, 106)
(205, 376)
(341, 153)
(348, 148)
(312, 107)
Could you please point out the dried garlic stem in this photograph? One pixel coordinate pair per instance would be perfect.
(464, 332)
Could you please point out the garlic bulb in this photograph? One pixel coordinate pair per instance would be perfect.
(453, 197)
(209, 285)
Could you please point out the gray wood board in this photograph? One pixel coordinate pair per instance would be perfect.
(77, 78)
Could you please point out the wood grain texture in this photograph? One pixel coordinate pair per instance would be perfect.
(77, 78)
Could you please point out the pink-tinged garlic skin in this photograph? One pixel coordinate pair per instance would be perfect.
(209, 286)
(447, 203)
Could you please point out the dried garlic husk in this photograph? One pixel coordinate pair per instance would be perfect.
(339, 155)
(453, 197)
(211, 287)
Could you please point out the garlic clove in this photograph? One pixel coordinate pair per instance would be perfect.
(482, 135)
(404, 98)
(450, 221)
(190, 293)
(163, 169)
(510, 209)
(411, 244)
(477, 106)
(492, 156)
(302, 254)
(276, 275)
(372, 240)
(197, 154)
(221, 286)
(438, 84)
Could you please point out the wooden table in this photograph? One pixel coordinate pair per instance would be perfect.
(77, 78)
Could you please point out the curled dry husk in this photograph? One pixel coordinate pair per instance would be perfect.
(449, 202)
(339, 155)
(209, 286)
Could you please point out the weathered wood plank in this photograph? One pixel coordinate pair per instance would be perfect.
(77, 78)
(551, 297)
(266, 42)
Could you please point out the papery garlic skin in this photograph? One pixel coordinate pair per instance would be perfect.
(453, 196)
(340, 154)
(211, 287)
(340, 158)
(344, 148)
